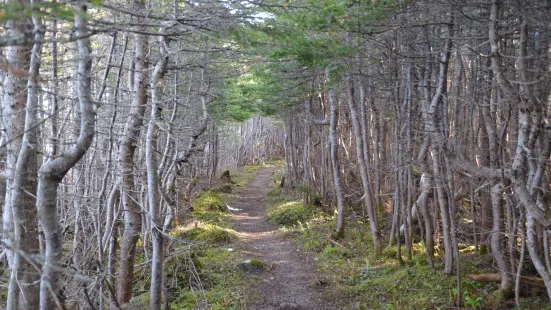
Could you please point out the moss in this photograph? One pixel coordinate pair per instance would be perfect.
(290, 213)
(336, 252)
(211, 234)
(138, 302)
(256, 263)
(252, 265)
(225, 188)
(274, 192)
(209, 201)
(223, 281)
(211, 217)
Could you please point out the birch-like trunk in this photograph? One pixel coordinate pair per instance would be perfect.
(156, 220)
(367, 196)
(52, 172)
(23, 289)
(129, 141)
(333, 146)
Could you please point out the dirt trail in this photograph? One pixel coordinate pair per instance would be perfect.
(291, 280)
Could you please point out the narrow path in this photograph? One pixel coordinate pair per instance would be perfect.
(291, 280)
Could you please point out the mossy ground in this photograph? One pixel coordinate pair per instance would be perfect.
(209, 201)
(223, 281)
(366, 282)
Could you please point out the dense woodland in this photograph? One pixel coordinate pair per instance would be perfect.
(429, 118)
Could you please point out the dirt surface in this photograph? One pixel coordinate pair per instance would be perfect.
(290, 280)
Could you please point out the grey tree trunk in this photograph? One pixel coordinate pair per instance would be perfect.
(156, 220)
(129, 141)
(52, 172)
(23, 288)
(333, 146)
(368, 199)
(13, 118)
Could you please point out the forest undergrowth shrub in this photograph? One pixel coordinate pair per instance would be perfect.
(211, 217)
(209, 201)
(349, 265)
(216, 264)
(212, 234)
(221, 280)
(290, 213)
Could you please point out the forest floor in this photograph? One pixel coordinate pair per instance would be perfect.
(288, 279)
(270, 250)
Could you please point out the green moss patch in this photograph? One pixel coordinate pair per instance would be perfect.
(209, 201)
(290, 213)
(211, 234)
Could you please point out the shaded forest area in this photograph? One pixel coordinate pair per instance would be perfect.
(428, 119)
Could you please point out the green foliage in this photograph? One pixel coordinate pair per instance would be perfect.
(290, 213)
(256, 263)
(274, 192)
(209, 201)
(474, 303)
(258, 90)
(222, 280)
(212, 234)
(47, 10)
(211, 217)
(335, 252)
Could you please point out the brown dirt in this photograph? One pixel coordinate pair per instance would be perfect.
(290, 280)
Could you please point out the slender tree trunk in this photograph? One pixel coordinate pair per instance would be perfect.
(22, 289)
(52, 172)
(333, 146)
(131, 205)
(156, 222)
(132, 209)
(13, 119)
(368, 200)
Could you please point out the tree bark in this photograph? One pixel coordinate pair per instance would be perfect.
(367, 196)
(333, 146)
(129, 141)
(52, 172)
(156, 220)
(23, 289)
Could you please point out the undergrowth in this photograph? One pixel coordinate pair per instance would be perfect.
(290, 213)
(217, 266)
(210, 267)
(209, 201)
(364, 282)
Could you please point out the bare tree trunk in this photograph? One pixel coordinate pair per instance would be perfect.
(333, 145)
(52, 172)
(131, 134)
(437, 141)
(368, 199)
(156, 222)
(13, 124)
(530, 125)
(22, 289)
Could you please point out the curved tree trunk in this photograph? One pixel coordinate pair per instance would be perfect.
(52, 172)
